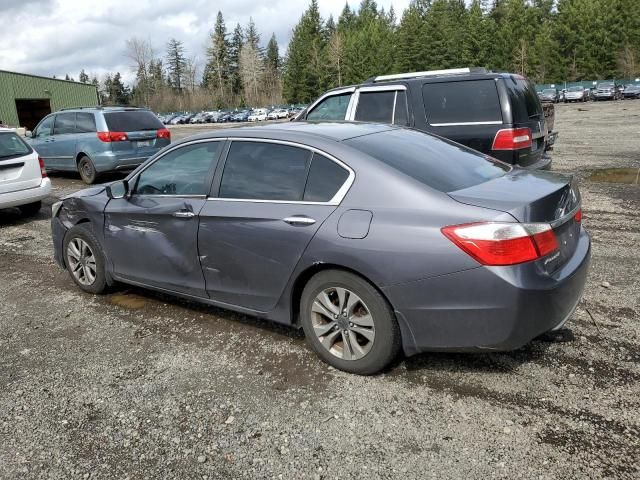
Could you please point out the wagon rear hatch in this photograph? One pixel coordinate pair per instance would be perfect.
(19, 166)
(533, 198)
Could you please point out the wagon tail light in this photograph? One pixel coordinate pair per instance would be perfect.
(164, 133)
(43, 170)
(512, 139)
(497, 244)
(113, 136)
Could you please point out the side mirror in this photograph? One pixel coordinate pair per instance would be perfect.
(118, 189)
(28, 134)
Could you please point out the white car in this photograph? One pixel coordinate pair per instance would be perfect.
(258, 115)
(23, 178)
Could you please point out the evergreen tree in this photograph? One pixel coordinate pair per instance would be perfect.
(235, 47)
(83, 77)
(272, 55)
(217, 69)
(176, 63)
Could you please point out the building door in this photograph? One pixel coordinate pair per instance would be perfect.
(31, 111)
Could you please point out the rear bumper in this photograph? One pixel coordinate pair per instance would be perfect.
(109, 161)
(24, 197)
(489, 308)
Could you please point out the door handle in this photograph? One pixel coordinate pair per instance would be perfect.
(299, 221)
(184, 214)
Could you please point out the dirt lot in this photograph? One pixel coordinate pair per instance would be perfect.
(137, 385)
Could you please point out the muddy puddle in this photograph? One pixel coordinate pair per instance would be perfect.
(616, 175)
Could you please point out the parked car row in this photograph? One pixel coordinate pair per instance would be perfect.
(602, 91)
(223, 116)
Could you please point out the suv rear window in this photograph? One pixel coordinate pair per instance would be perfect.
(462, 102)
(433, 161)
(525, 103)
(11, 146)
(132, 121)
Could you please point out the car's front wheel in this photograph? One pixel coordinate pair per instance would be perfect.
(349, 323)
(87, 170)
(84, 259)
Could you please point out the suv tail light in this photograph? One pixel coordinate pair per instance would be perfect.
(164, 133)
(503, 243)
(43, 170)
(113, 136)
(512, 139)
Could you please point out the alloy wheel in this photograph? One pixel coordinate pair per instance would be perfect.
(343, 323)
(82, 261)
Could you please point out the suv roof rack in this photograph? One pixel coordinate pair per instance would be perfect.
(101, 107)
(428, 73)
(98, 107)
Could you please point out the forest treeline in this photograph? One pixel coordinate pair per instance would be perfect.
(547, 40)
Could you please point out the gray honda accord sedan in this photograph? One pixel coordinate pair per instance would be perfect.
(369, 237)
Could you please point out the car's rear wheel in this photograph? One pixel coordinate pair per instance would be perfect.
(30, 209)
(348, 323)
(84, 259)
(87, 170)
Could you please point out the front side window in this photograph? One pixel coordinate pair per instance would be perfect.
(183, 171)
(265, 171)
(64, 123)
(44, 129)
(462, 102)
(331, 108)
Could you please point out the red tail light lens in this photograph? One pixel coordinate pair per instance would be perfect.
(503, 243)
(578, 216)
(164, 133)
(113, 136)
(512, 139)
(43, 170)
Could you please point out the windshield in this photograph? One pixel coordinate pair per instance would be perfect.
(436, 162)
(575, 89)
(549, 90)
(11, 146)
(605, 85)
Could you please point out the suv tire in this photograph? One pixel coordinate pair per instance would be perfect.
(87, 170)
(330, 332)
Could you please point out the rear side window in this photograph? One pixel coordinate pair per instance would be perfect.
(325, 179)
(11, 145)
(376, 107)
(331, 108)
(462, 102)
(64, 123)
(433, 161)
(265, 171)
(132, 121)
(525, 103)
(401, 113)
(85, 122)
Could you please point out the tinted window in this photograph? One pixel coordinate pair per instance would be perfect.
(184, 171)
(376, 107)
(401, 116)
(264, 171)
(64, 123)
(332, 108)
(325, 179)
(525, 103)
(12, 146)
(44, 129)
(132, 121)
(458, 102)
(438, 163)
(85, 122)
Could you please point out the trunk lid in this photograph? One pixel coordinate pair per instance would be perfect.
(533, 197)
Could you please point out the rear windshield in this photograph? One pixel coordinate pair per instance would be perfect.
(436, 162)
(462, 102)
(11, 146)
(132, 121)
(525, 103)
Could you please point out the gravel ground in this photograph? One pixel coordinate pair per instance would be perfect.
(138, 385)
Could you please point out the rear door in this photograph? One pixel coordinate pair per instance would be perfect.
(63, 141)
(141, 127)
(272, 198)
(19, 167)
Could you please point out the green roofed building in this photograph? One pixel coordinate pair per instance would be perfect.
(26, 99)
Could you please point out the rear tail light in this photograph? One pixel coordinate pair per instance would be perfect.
(503, 243)
(164, 133)
(43, 170)
(578, 216)
(113, 136)
(512, 139)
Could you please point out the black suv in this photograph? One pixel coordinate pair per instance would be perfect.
(495, 113)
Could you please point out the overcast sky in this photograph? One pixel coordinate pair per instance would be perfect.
(56, 37)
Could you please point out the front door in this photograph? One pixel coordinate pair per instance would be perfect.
(41, 140)
(151, 236)
(271, 200)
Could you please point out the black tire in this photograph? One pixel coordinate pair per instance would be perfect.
(85, 233)
(87, 170)
(387, 340)
(30, 209)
